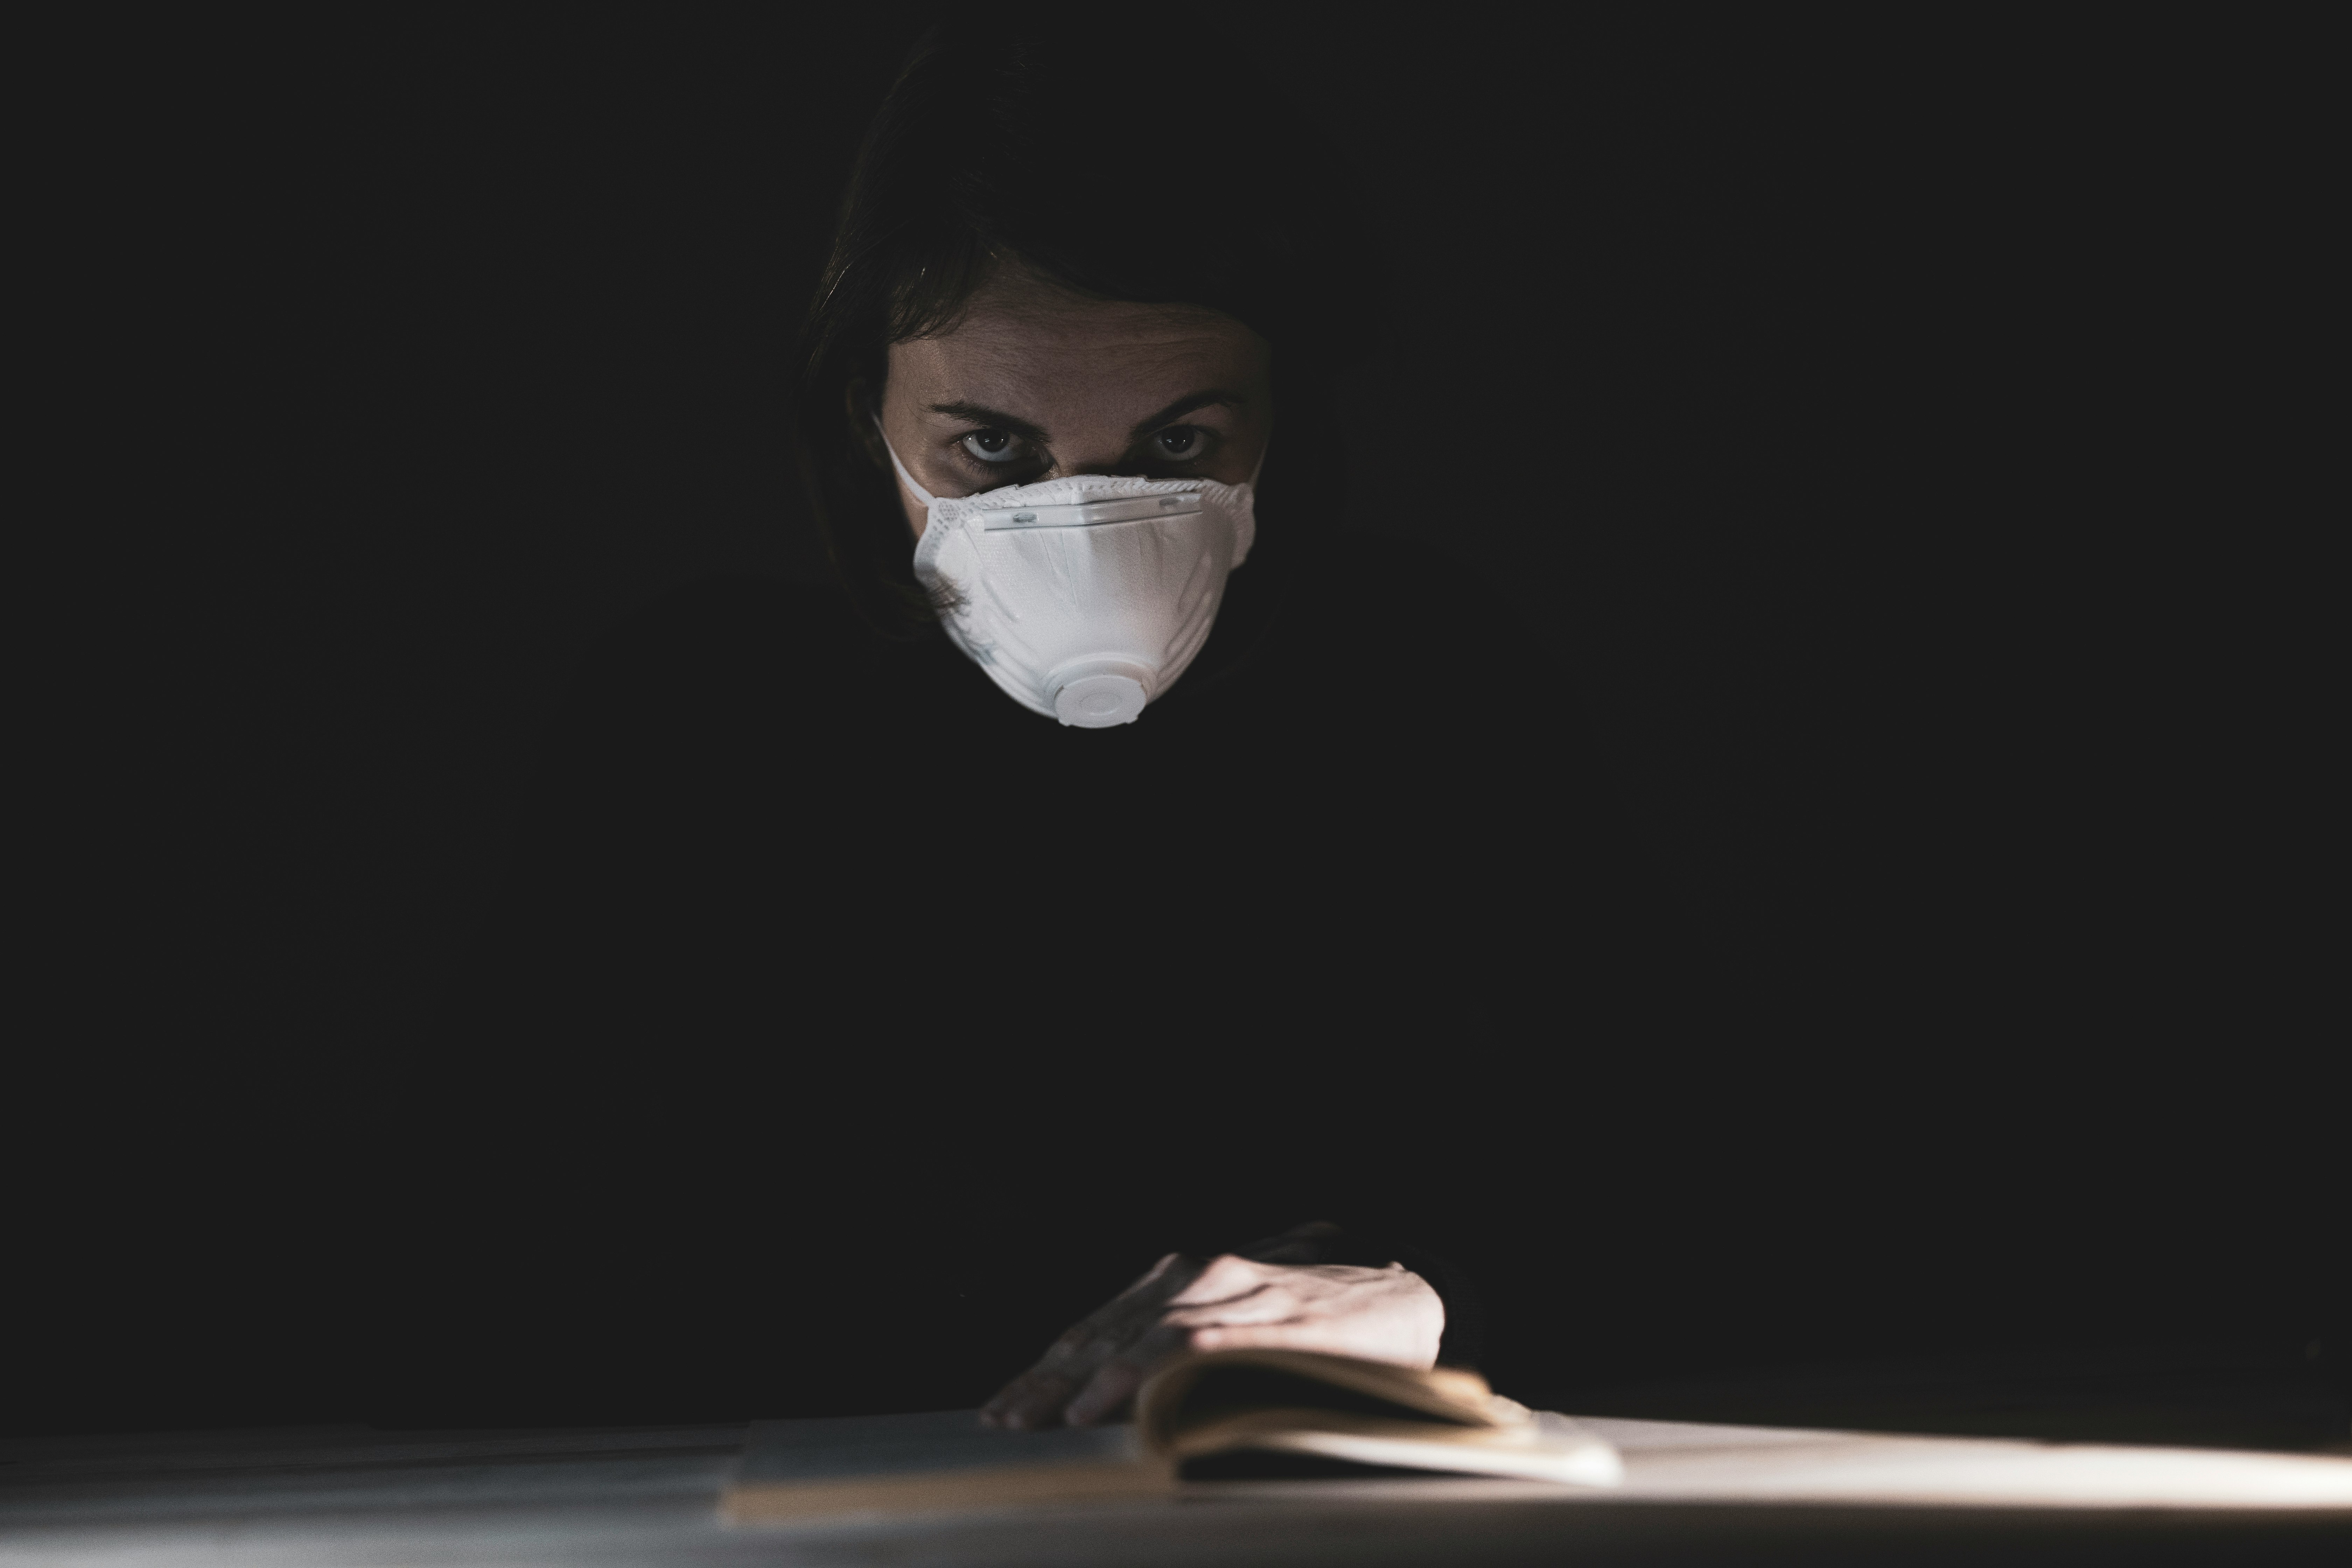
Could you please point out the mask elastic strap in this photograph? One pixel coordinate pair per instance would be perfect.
(904, 476)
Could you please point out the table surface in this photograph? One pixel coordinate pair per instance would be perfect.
(338, 1497)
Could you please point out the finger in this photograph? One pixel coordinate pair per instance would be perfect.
(1037, 1398)
(1170, 1275)
(1297, 1334)
(1106, 1395)
(1107, 1392)
(1267, 1304)
(1033, 1400)
(1221, 1278)
(1326, 1335)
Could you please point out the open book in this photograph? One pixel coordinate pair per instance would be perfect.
(1227, 1415)
(1232, 1415)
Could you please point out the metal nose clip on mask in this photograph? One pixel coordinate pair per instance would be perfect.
(1084, 598)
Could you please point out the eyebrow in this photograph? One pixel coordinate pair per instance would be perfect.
(1180, 408)
(1010, 424)
(997, 419)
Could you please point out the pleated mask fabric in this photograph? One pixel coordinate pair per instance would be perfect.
(1084, 598)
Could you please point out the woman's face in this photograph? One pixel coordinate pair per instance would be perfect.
(1036, 383)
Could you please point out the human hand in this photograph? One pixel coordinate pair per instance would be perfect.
(1222, 1303)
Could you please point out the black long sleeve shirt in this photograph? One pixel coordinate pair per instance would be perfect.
(917, 1004)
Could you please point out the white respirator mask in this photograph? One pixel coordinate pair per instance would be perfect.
(1082, 598)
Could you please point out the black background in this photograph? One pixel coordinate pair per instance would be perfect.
(1837, 400)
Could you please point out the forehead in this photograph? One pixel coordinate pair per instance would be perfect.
(1023, 345)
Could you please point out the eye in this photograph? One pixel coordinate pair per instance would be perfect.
(993, 447)
(1181, 443)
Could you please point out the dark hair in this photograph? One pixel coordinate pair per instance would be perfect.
(1010, 142)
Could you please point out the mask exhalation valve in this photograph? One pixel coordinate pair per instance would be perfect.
(1101, 693)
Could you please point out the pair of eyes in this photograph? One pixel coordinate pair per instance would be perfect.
(1177, 444)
